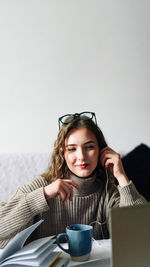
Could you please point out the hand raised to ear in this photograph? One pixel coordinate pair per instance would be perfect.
(110, 158)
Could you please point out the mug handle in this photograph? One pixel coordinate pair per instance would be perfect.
(59, 245)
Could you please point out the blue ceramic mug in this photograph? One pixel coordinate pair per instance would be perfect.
(79, 239)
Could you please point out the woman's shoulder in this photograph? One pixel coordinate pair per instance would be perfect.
(34, 184)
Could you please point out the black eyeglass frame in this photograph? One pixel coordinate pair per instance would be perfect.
(76, 115)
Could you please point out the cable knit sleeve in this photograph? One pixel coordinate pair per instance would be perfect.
(20, 210)
(130, 196)
(122, 196)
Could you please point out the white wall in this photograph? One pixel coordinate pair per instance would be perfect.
(66, 56)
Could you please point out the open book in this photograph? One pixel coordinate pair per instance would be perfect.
(38, 253)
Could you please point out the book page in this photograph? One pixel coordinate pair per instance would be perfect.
(18, 241)
(38, 253)
(34, 249)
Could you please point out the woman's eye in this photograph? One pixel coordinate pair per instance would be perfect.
(71, 149)
(89, 147)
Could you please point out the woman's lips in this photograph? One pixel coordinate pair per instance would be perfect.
(82, 166)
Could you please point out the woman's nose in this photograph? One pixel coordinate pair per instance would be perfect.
(81, 154)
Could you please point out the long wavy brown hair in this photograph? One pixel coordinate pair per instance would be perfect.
(58, 167)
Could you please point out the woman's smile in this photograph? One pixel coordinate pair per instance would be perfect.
(82, 166)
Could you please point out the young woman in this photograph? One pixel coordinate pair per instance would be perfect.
(78, 186)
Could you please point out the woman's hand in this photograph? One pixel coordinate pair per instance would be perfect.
(61, 187)
(109, 158)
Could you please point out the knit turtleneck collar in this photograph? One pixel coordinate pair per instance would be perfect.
(87, 185)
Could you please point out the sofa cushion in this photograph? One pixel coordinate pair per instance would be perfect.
(137, 167)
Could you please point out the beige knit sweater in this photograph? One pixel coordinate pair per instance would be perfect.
(91, 203)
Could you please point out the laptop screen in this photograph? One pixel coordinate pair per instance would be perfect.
(130, 236)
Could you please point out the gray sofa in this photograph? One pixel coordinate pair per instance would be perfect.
(18, 169)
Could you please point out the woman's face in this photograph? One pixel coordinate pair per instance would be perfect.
(81, 151)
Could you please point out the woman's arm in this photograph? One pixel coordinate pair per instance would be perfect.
(30, 200)
(127, 191)
(20, 210)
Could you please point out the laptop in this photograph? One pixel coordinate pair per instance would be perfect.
(130, 236)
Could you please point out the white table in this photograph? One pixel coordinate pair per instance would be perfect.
(100, 255)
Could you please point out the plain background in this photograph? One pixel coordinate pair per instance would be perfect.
(67, 56)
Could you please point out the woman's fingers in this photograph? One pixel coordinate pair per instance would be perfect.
(62, 193)
(71, 182)
(106, 154)
(110, 158)
(62, 187)
(68, 188)
(70, 195)
(66, 192)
